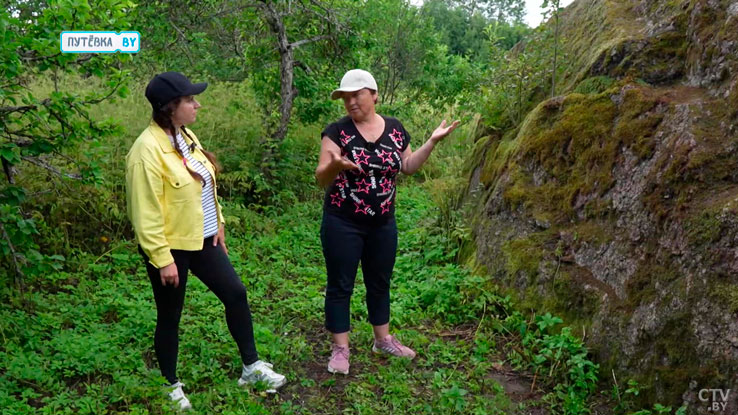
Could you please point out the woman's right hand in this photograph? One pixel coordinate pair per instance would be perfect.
(331, 163)
(169, 275)
(342, 163)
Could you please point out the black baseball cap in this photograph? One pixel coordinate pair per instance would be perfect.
(169, 85)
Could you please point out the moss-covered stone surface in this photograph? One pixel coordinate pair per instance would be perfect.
(615, 204)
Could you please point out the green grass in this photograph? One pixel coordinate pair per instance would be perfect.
(81, 342)
(85, 344)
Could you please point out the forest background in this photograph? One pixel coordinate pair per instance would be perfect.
(77, 315)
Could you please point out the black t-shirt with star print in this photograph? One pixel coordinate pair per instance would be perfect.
(367, 195)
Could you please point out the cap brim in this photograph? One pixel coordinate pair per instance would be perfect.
(197, 88)
(337, 93)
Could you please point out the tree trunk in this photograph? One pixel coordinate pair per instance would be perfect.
(287, 90)
(9, 171)
(556, 48)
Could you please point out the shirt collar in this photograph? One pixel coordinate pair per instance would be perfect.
(163, 138)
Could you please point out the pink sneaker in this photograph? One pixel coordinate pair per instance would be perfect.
(339, 362)
(391, 345)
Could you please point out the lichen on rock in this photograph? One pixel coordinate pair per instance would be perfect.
(615, 204)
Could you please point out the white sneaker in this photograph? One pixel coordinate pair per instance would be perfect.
(178, 396)
(261, 372)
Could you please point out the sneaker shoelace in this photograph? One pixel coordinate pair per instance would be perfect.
(268, 374)
(342, 351)
(395, 344)
(177, 392)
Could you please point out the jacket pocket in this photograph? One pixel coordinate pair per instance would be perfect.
(178, 181)
(181, 221)
(180, 188)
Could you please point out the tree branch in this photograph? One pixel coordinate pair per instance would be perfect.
(9, 171)
(25, 141)
(29, 56)
(329, 16)
(4, 111)
(304, 41)
(22, 108)
(49, 167)
(224, 12)
(185, 41)
(99, 100)
(19, 276)
(82, 59)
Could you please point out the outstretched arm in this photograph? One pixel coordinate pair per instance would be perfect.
(413, 160)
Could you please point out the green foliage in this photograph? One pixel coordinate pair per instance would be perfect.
(87, 347)
(514, 78)
(418, 53)
(519, 78)
(626, 405)
(559, 357)
(463, 28)
(47, 137)
(82, 344)
(89, 338)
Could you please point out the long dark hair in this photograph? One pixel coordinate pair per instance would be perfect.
(163, 117)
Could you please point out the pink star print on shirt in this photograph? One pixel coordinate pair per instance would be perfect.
(363, 186)
(361, 207)
(344, 138)
(385, 156)
(386, 185)
(396, 137)
(341, 181)
(386, 206)
(336, 199)
(362, 158)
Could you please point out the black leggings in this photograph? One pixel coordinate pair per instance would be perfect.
(212, 266)
(345, 243)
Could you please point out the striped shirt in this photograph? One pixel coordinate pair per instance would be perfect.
(210, 213)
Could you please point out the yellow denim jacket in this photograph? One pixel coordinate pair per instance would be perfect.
(164, 201)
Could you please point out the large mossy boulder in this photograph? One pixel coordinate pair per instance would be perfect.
(616, 203)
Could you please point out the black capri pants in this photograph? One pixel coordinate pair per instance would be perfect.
(212, 266)
(345, 243)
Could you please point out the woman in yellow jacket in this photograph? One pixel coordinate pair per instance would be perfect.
(173, 205)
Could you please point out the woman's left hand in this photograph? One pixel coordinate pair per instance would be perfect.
(220, 237)
(442, 131)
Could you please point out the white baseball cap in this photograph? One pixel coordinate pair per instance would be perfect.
(355, 80)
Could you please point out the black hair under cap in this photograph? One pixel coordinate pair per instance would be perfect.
(169, 85)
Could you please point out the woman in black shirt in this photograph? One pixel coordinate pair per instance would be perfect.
(360, 157)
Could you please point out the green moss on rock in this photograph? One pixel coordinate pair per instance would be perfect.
(594, 85)
(525, 254)
(641, 288)
(703, 229)
(575, 141)
(571, 299)
(725, 293)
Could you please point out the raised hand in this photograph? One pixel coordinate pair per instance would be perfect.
(443, 130)
(342, 163)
